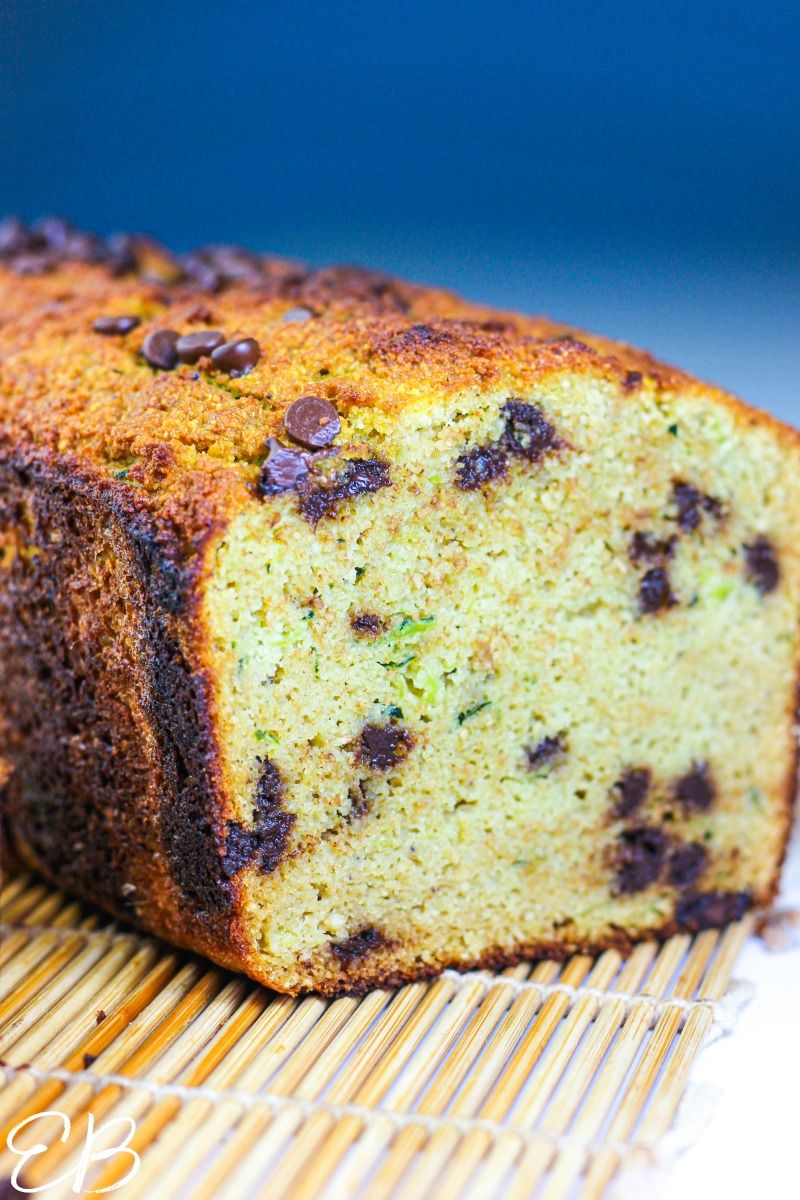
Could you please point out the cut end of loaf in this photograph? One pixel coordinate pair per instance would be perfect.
(536, 694)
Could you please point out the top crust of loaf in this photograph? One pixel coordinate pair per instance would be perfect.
(358, 338)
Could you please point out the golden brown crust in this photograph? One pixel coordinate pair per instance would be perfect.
(368, 342)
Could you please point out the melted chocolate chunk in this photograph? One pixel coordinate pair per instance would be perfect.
(159, 349)
(655, 591)
(193, 346)
(384, 746)
(358, 945)
(265, 842)
(632, 380)
(549, 751)
(236, 358)
(631, 791)
(696, 790)
(691, 504)
(646, 547)
(312, 421)
(640, 858)
(360, 477)
(284, 469)
(241, 846)
(367, 624)
(528, 432)
(761, 565)
(711, 910)
(480, 466)
(110, 326)
(686, 864)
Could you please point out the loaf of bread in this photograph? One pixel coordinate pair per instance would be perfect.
(350, 631)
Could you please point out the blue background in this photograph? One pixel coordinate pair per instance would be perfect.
(631, 167)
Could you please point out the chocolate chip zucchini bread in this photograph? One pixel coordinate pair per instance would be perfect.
(350, 631)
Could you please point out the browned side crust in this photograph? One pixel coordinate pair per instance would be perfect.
(112, 788)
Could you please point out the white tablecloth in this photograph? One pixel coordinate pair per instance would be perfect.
(750, 1150)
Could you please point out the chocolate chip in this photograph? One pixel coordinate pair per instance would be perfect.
(159, 349)
(237, 357)
(480, 466)
(691, 504)
(55, 231)
(15, 237)
(631, 791)
(550, 750)
(384, 746)
(367, 624)
(360, 477)
(640, 859)
(115, 325)
(696, 789)
(632, 380)
(648, 548)
(761, 565)
(312, 422)
(358, 945)
(711, 910)
(193, 346)
(37, 262)
(200, 273)
(686, 864)
(528, 432)
(284, 469)
(655, 592)
(88, 1060)
(266, 840)
(121, 251)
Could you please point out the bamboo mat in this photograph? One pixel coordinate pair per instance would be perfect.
(547, 1080)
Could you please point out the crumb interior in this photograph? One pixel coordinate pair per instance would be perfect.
(533, 708)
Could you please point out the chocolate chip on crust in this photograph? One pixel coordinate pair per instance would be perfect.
(312, 422)
(110, 326)
(696, 789)
(193, 346)
(640, 858)
(236, 358)
(711, 910)
(284, 469)
(384, 746)
(761, 565)
(159, 349)
(631, 791)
